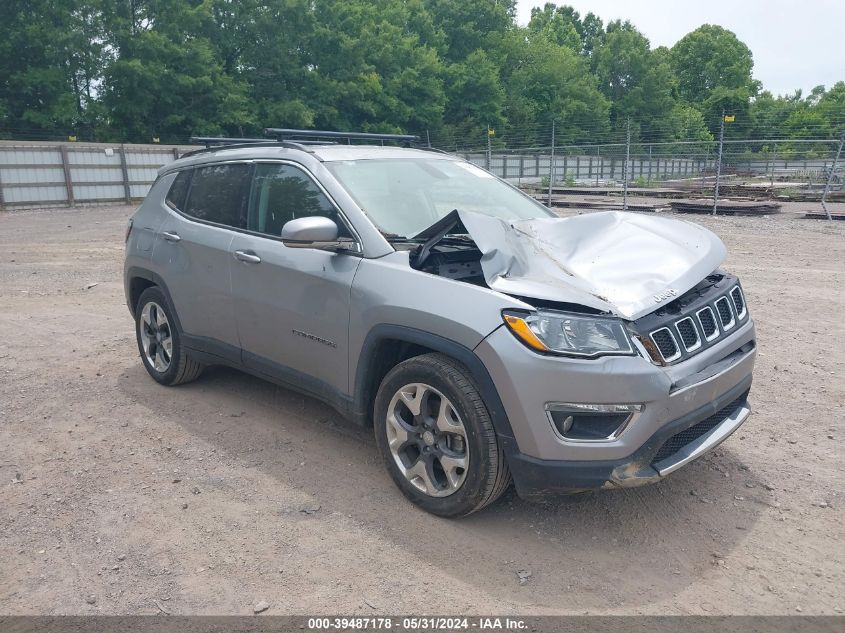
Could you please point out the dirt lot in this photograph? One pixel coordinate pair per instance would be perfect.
(118, 496)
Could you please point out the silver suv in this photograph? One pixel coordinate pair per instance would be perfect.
(483, 338)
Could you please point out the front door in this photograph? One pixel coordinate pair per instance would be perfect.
(292, 304)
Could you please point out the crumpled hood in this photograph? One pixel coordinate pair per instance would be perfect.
(623, 263)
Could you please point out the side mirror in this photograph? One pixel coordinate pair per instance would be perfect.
(311, 229)
(315, 232)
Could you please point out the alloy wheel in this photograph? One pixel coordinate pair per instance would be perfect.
(156, 336)
(427, 439)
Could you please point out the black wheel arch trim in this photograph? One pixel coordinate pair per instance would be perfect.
(136, 272)
(461, 353)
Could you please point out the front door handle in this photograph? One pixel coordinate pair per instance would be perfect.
(171, 237)
(247, 256)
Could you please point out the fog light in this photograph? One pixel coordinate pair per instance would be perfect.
(591, 422)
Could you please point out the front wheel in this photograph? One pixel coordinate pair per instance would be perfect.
(436, 437)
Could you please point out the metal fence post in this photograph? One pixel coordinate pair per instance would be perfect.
(1, 190)
(552, 164)
(772, 175)
(487, 160)
(830, 176)
(650, 165)
(719, 163)
(627, 163)
(127, 192)
(68, 180)
(599, 165)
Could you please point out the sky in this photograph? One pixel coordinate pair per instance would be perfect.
(795, 44)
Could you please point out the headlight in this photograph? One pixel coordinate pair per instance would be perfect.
(569, 334)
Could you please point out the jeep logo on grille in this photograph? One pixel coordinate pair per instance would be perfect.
(666, 294)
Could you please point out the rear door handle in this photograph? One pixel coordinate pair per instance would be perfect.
(171, 237)
(247, 256)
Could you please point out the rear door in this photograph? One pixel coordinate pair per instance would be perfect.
(292, 304)
(192, 250)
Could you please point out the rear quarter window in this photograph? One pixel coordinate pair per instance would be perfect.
(179, 190)
(218, 194)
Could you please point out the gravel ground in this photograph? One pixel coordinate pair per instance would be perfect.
(119, 496)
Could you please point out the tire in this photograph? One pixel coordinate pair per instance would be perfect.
(446, 458)
(160, 342)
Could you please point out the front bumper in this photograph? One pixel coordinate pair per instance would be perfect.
(539, 478)
(675, 399)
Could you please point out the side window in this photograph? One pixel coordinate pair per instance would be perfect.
(281, 193)
(179, 190)
(218, 194)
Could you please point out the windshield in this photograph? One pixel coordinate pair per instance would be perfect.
(404, 196)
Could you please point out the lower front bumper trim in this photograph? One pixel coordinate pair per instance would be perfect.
(706, 442)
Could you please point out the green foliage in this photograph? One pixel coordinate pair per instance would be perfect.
(638, 82)
(137, 69)
(713, 68)
(165, 78)
(552, 82)
(557, 24)
(709, 58)
(50, 60)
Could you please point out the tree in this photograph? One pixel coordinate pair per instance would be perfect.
(50, 61)
(267, 46)
(370, 72)
(713, 68)
(831, 106)
(552, 82)
(558, 24)
(475, 96)
(638, 83)
(712, 57)
(164, 79)
(470, 25)
(592, 33)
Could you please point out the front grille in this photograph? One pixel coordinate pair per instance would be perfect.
(725, 314)
(679, 440)
(708, 323)
(666, 344)
(689, 335)
(694, 321)
(739, 301)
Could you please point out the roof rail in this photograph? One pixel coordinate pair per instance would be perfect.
(213, 143)
(210, 141)
(286, 134)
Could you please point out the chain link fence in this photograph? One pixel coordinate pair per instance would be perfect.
(805, 170)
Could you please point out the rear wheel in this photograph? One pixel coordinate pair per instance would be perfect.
(160, 343)
(436, 437)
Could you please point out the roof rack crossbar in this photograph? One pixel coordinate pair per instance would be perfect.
(220, 142)
(285, 133)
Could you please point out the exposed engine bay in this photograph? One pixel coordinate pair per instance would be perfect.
(616, 263)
